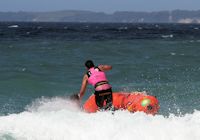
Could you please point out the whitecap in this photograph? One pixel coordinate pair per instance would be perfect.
(13, 26)
(172, 53)
(122, 28)
(168, 36)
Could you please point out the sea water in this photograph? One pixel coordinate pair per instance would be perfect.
(42, 64)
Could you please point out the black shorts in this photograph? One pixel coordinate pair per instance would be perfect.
(104, 95)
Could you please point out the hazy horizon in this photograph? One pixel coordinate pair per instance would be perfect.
(100, 11)
(105, 6)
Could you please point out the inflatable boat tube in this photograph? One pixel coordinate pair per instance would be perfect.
(133, 102)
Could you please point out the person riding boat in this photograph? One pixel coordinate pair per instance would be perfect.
(96, 76)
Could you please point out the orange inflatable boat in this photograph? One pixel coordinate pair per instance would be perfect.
(133, 102)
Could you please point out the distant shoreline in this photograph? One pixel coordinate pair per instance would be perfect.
(175, 16)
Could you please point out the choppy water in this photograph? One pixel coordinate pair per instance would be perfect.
(41, 64)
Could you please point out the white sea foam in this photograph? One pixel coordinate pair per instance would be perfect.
(123, 28)
(13, 26)
(172, 53)
(140, 28)
(59, 119)
(168, 36)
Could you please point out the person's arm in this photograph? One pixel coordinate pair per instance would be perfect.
(83, 86)
(105, 67)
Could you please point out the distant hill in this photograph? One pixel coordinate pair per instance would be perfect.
(176, 16)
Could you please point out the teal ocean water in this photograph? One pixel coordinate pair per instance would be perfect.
(42, 64)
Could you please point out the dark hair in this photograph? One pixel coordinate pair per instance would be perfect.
(89, 64)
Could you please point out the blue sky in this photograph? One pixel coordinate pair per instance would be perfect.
(107, 6)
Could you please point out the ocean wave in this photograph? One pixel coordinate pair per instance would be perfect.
(59, 119)
(52, 104)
